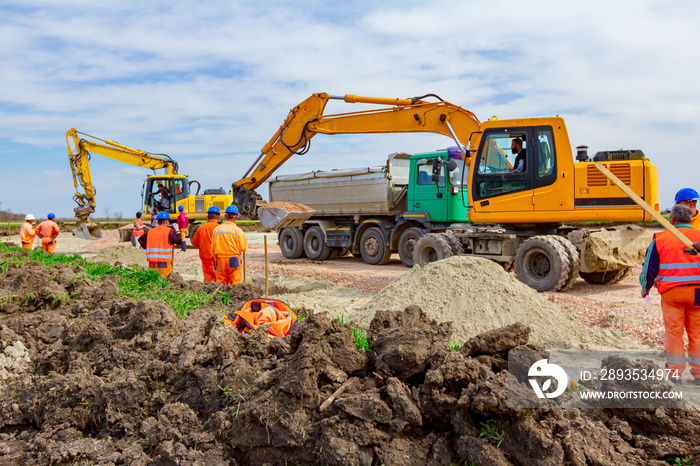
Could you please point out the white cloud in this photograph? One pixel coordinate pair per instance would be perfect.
(209, 83)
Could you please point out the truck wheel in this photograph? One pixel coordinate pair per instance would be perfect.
(407, 245)
(291, 242)
(542, 263)
(574, 262)
(431, 248)
(315, 245)
(605, 278)
(454, 242)
(373, 247)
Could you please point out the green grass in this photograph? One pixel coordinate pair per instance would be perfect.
(134, 283)
(492, 433)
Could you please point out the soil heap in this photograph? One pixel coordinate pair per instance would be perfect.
(107, 380)
(477, 295)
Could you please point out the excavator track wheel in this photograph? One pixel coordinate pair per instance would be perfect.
(291, 241)
(315, 245)
(455, 243)
(574, 262)
(431, 248)
(542, 263)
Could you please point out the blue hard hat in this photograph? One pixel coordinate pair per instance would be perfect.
(687, 194)
(180, 208)
(214, 210)
(51, 215)
(232, 209)
(163, 216)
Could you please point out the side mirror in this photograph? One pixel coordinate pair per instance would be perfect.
(451, 165)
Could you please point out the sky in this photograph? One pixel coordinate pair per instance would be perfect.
(209, 83)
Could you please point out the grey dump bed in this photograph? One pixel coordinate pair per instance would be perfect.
(366, 191)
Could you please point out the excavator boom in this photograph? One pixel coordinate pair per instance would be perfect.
(307, 119)
(79, 156)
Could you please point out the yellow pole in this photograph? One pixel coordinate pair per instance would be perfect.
(243, 266)
(266, 282)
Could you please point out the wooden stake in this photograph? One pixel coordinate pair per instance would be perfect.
(243, 266)
(657, 216)
(266, 279)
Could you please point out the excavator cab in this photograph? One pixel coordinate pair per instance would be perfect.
(165, 192)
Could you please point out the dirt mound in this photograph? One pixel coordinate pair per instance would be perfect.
(117, 381)
(477, 295)
(121, 254)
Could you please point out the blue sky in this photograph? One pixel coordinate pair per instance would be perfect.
(209, 82)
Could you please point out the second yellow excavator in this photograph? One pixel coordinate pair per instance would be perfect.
(166, 190)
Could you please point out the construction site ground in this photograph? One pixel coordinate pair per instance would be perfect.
(618, 306)
(88, 376)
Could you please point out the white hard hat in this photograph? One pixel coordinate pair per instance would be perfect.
(29, 217)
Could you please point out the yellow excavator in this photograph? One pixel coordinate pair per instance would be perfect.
(176, 188)
(516, 217)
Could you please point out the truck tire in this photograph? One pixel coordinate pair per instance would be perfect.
(455, 243)
(407, 245)
(605, 278)
(291, 242)
(431, 248)
(574, 262)
(373, 247)
(542, 263)
(315, 245)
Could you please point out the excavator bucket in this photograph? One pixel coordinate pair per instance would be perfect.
(287, 215)
(88, 231)
(614, 248)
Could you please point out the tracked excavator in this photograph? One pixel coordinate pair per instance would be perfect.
(176, 187)
(519, 218)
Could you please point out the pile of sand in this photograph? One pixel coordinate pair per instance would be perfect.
(125, 254)
(478, 295)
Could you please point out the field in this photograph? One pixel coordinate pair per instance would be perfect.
(107, 363)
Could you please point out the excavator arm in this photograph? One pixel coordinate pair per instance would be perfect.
(79, 156)
(307, 119)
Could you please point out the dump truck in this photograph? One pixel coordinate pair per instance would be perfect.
(179, 187)
(426, 219)
(514, 215)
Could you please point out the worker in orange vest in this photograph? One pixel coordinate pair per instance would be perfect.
(227, 244)
(27, 232)
(48, 231)
(137, 231)
(159, 243)
(677, 276)
(202, 240)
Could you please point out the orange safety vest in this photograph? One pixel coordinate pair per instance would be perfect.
(138, 228)
(675, 266)
(228, 240)
(158, 248)
(256, 312)
(27, 233)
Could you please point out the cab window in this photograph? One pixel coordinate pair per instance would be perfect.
(546, 160)
(499, 171)
(425, 175)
